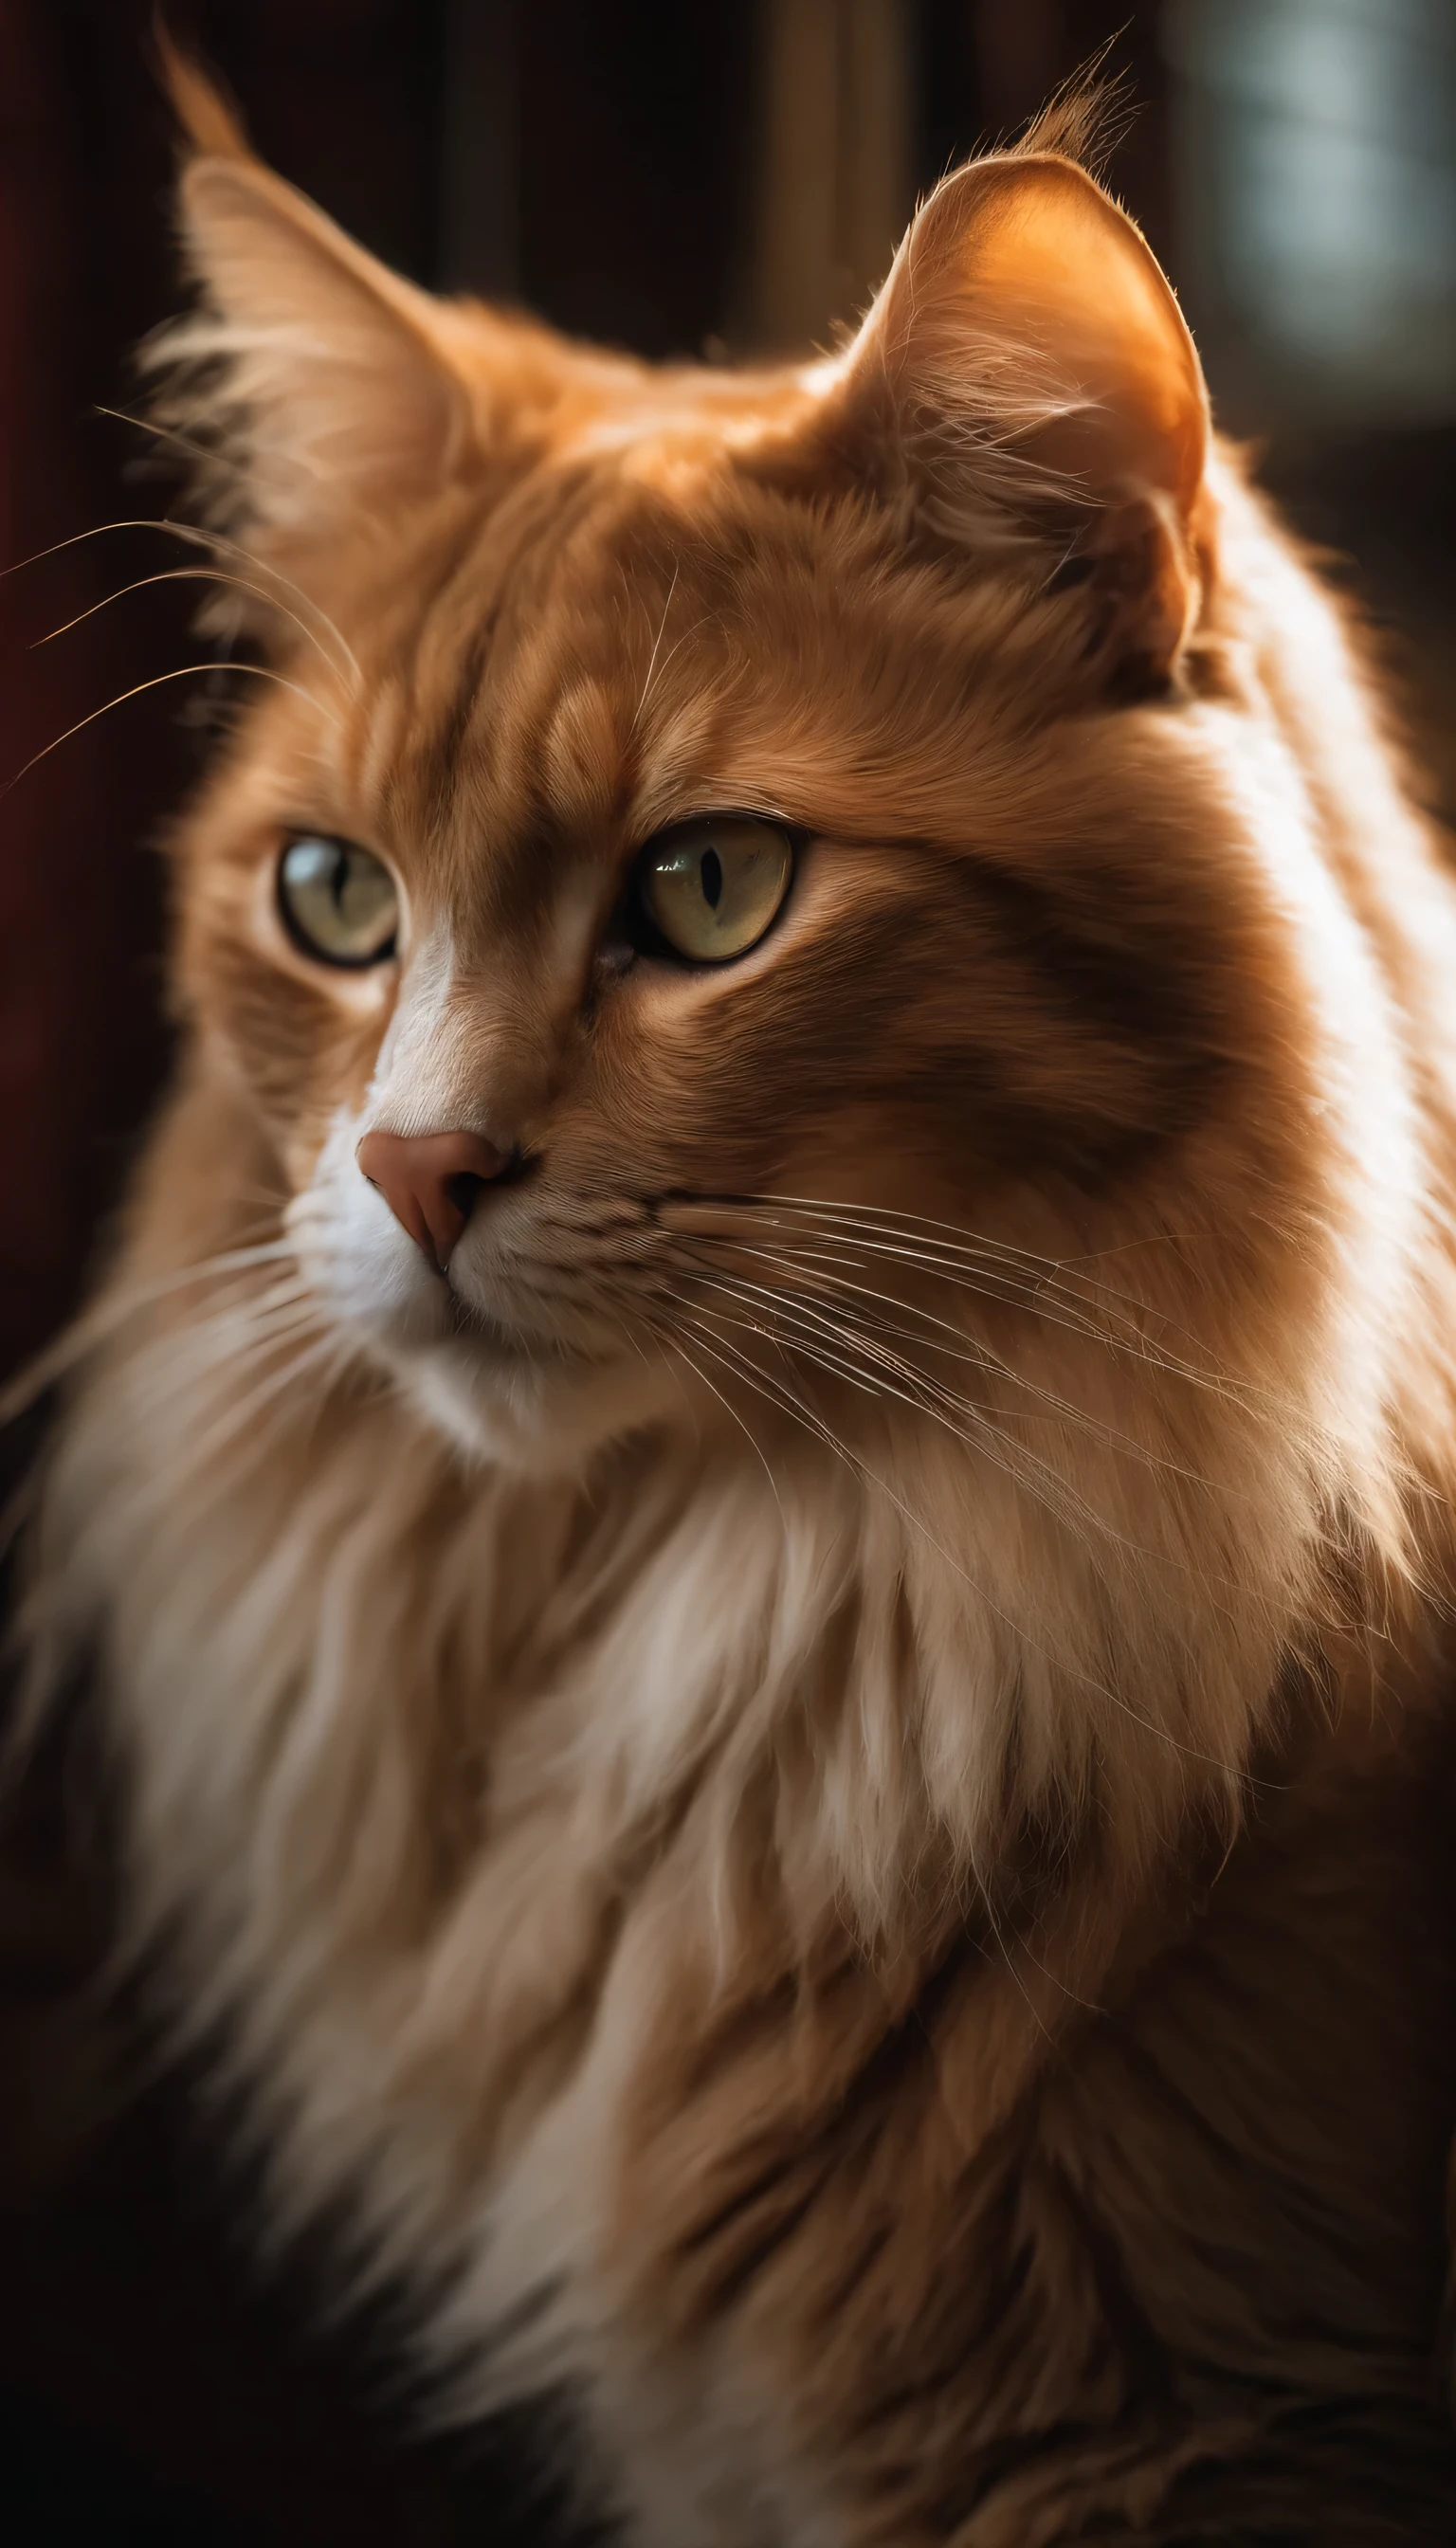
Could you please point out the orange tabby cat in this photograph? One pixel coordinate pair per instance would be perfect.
(760, 1495)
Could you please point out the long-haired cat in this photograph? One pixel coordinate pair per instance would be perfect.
(760, 1496)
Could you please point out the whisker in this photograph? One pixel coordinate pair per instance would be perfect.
(960, 1283)
(1056, 1495)
(235, 1354)
(675, 1340)
(1118, 1333)
(964, 1350)
(179, 672)
(97, 530)
(1020, 1289)
(972, 1267)
(191, 575)
(947, 1241)
(652, 659)
(195, 537)
(1026, 1467)
(201, 1451)
(1045, 1271)
(789, 1403)
(195, 450)
(95, 1325)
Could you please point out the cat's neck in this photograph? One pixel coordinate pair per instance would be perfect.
(886, 1681)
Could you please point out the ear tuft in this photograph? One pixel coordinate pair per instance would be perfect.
(209, 123)
(316, 388)
(1086, 121)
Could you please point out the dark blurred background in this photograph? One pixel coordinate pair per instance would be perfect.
(680, 179)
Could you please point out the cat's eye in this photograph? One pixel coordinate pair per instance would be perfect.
(339, 903)
(713, 886)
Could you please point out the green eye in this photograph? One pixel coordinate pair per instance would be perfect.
(339, 903)
(713, 886)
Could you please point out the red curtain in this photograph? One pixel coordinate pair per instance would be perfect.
(78, 897)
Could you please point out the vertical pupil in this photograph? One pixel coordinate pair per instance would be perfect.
(338, 881)
(711, 872)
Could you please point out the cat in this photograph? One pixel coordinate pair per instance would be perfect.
(760, 1495)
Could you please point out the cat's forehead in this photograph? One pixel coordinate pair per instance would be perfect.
(590, 668)
(556, 720)
(654, 632)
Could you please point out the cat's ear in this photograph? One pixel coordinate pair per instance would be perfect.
(1026, 377)
(320, 382)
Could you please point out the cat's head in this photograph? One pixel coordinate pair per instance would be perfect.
(731, 881)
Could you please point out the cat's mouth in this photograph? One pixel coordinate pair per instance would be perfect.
(508, 1393)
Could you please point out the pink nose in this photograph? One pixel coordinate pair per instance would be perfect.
(430, 1181)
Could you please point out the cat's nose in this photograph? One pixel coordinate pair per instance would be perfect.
(430, 1182)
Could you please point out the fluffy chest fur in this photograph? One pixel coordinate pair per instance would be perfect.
(574, 1903)
(666, 1914)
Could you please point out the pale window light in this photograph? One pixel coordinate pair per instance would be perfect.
(1315, 163)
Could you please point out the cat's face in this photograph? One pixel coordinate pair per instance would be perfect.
(738, 816)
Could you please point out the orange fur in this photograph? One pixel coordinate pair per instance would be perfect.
(817, 1790)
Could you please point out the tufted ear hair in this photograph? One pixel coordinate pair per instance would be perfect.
(315, 385)
(1024, 377)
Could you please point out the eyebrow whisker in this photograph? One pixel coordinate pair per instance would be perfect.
(178, 672)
